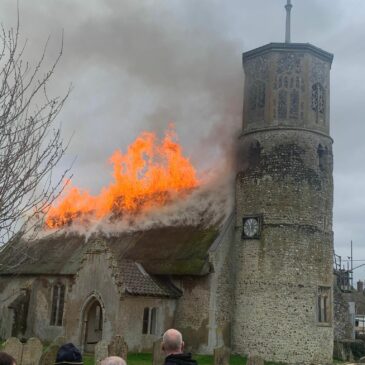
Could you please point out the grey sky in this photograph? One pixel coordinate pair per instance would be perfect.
(137, 65)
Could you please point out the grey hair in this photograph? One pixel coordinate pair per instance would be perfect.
(172, 340)
(113, 360)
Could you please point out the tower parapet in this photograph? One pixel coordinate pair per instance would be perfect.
(287, 86)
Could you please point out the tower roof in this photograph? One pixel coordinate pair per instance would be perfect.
(285, 47)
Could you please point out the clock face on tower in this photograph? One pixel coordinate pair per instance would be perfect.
(251, 227)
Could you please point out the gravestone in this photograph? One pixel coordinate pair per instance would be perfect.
(49, 356)
(222, 355)
(158, 354)
(101, 351)
(254, 360)
(32, 352)
(118, 347)
(60, 340)
(14, 347)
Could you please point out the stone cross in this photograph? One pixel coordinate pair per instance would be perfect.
(288, 7)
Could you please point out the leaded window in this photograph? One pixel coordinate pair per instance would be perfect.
(294, 104)
(149, 321)
(288, 97)
(58, 302)
(318, 101)
(257, 95)
(282, 104)
(324, 304)
(257, 100)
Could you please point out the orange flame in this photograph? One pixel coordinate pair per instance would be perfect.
(149, 175)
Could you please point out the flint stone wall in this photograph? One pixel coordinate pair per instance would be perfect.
(278, 275)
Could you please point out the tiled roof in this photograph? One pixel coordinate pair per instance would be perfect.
(138, 282)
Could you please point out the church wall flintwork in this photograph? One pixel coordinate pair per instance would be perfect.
(283, 295)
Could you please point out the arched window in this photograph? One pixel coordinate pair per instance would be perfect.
(58, 302)
(294, 104)
(283, 104)
(257, 99)
(318, 101)
(288, 98)
(324, 306)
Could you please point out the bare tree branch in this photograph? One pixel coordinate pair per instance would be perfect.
(30, 143)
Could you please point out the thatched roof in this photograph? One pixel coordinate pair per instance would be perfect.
(144, 258)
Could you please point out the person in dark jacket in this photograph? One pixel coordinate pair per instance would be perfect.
(173, 347)
(68, 354)
(6, 359)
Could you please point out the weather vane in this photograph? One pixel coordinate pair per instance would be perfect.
(288, 7)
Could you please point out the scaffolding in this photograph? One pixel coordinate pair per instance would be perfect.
(344, 276)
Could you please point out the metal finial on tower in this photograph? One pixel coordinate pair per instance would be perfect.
(288, 7)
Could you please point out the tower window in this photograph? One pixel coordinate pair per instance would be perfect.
(294, 104)
(282, 104)
(324, 304)
(289, 99)
(318, 101)
(257, 100)
(58, 302)
(257, 95)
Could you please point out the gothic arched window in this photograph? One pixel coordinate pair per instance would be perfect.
(257, 99)
(58, 302)
(288, 97)
(318, 101)
(294, 104)
(283, 104)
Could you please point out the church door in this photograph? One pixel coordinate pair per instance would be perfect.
(94, 326)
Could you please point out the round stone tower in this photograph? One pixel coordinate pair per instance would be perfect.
(284, 202)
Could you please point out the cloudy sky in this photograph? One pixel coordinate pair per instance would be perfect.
(138, 64)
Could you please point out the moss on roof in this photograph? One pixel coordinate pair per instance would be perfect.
(179, 250)
(174, 250)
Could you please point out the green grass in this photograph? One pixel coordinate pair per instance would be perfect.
(139, 359)
(88, 359)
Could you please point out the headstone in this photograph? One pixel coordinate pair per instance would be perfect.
(158, 354)
(118, 347)
(32, 352)
(222, 355)
(60, 340)
(101, 351)
(49, 356)
(14, 347)
(254, 360)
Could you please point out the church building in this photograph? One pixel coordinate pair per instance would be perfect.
(260, 284)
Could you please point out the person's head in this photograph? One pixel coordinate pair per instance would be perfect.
(113, 360)
(6, 359)
(172, 342)
(68, 354)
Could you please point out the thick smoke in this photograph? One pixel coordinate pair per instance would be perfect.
(137, 65)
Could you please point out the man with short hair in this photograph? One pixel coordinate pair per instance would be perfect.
(173, 347)
(68, 354)
(113, 360)
(6, 359)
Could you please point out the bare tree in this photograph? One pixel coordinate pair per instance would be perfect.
(30, 142)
